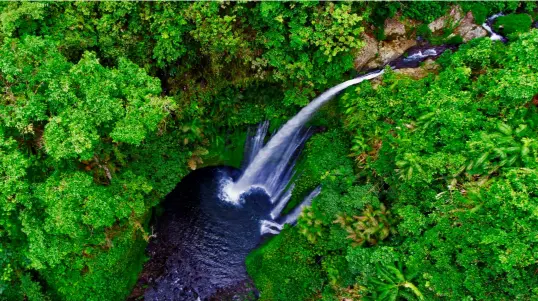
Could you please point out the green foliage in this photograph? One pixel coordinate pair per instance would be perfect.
(89, 145)
(73, 208)
(286, 43)
(457, 152)
(393, 282)
(503, 148)
(424, 11)
(479, 9)
(483, 9)
(301, 38)
(455, 40)
(21, 15)
(372, 226)
(323, 165)
(424, 31)
(286, 268)
(91, 141)
(317, 245)
(453, 157)
(513, 23)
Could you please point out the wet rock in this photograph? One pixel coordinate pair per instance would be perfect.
(400, 37)
(418, 54)
(389, 51)
(455, 16)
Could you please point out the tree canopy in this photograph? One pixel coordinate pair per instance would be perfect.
(429, 186)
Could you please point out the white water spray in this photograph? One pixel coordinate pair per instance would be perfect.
(493, 35)
(421, 55)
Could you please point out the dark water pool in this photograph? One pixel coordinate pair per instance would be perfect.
(202, 241)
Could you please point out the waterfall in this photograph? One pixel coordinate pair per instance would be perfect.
(254, 143)
(270, 168)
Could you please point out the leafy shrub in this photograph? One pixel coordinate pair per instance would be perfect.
(322, 164)
(285, 269)
(453, 146)
(424, 11)
(513, 23)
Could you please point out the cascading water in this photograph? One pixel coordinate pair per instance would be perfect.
(489, 23)
(226, 211)
(270, 169)
(255, 143)
(292, 217)
(217, 215)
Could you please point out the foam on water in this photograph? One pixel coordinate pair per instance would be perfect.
(487, 26)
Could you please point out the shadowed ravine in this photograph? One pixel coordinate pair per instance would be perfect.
(217, 215)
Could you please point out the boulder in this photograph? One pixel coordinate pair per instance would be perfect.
(454, 16)
(375, 54)
(389, 51)
(465, 25)
(468, 30)
(367, 53)
(393, 28)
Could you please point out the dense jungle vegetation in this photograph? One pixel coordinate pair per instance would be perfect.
(430, 186)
